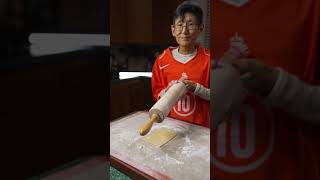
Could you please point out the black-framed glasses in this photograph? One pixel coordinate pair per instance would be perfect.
(190, 26)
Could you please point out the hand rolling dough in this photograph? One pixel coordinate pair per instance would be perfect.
(159, 137)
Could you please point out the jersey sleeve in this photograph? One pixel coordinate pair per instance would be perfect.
(157, 80)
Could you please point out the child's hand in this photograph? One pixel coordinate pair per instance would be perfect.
(256, 76)
(191, 86)
(238, 49)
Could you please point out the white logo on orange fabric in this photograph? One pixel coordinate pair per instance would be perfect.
(186, 105)
(164, 66)
(184, 75)
(236, 3)
(239, 150)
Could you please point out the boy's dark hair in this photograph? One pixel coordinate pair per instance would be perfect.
(188, 7)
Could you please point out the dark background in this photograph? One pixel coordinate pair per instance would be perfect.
(54, 107)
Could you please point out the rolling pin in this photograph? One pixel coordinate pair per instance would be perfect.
(163, 106)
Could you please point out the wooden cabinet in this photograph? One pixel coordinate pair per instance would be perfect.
(53, 112)
(139, 21)
(118, 21)
(127, 96)
(162, 13)
(131, 21)
(142, 21)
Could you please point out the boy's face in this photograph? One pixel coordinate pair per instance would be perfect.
(186, 30)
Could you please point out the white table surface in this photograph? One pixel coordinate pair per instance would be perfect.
(187, 156)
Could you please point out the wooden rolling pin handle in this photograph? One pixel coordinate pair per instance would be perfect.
(146, 127)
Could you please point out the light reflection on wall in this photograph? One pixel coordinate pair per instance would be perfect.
(53, 43)
(128, 75)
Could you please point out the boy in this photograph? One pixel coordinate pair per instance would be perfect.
(189, 63)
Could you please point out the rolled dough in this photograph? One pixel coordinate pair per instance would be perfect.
(159, 137)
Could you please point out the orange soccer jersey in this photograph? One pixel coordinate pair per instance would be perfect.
(189, 108)
(262, 142)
